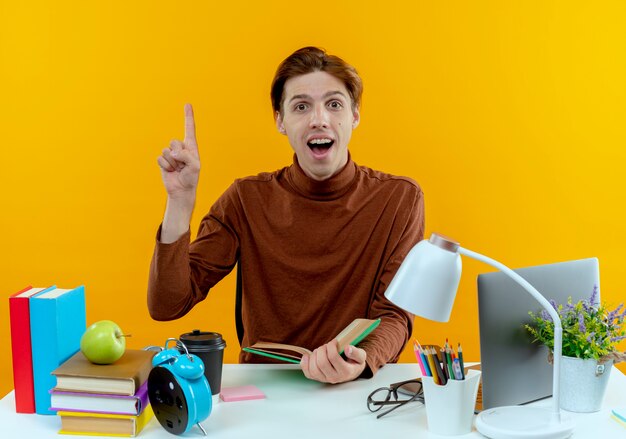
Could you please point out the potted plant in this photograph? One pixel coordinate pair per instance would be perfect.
(590, 336)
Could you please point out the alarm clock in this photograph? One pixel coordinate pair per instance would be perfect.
(179, 392)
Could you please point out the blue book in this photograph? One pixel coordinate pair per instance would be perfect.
(57, 323)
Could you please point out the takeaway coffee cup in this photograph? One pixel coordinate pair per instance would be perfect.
(209, 346)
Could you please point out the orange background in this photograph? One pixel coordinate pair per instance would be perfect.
(509, 114)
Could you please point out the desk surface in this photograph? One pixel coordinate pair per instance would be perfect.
(297, 407)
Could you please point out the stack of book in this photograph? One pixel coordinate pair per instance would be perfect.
(46, 327)
(109, 399)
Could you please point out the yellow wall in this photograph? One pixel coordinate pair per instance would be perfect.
(509, 114)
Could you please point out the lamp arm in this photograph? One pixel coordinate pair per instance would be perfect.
(558, 329)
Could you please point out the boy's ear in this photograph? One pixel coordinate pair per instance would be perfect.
(279, 123)
(356, 118)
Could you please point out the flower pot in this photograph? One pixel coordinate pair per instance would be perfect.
(583, 382)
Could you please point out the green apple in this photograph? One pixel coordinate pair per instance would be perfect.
(103, 342)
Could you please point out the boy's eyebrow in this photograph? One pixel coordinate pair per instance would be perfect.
(326, 95)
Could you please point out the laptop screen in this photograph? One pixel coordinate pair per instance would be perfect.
(515, 370)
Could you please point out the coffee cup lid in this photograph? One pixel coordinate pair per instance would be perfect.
(198, 339)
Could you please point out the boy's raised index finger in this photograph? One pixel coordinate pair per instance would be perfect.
(190, 124)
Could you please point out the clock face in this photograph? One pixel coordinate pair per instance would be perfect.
(168, 400)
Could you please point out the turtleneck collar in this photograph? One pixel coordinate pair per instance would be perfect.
(329, 189)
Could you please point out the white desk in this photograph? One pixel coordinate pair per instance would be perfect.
(298, 408)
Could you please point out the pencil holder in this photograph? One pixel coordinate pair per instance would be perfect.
(450, 408)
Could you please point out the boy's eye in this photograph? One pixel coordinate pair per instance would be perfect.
(335, 105)
(300, 107)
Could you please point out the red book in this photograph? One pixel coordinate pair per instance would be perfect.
(19, 312)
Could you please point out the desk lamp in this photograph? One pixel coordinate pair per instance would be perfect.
(426, 285)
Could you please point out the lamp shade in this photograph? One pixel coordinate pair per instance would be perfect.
(427, 280)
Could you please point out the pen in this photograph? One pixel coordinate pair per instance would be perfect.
(440, 375)
(460, 351)
(457, 369)
(444, 365)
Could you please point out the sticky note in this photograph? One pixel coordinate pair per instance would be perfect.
(241, 393)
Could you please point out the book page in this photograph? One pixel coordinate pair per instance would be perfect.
(279, 346)
(355, 332)
(53, 294)
(30, 292)
(352, 334)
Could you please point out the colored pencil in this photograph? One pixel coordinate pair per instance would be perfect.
(419, 358)
(424, 360)
(431, 363)
(440, 375)
(449, 363)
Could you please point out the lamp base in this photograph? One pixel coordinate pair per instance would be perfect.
(522, 422)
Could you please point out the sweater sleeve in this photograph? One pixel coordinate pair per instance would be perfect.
(385, 344)
(181, 274)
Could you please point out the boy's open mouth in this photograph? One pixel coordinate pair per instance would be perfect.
(320, 146)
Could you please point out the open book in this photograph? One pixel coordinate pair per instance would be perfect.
(351, 335)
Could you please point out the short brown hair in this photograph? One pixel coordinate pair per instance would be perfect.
(313, 59)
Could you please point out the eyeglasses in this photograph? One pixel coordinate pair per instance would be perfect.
(395, 395)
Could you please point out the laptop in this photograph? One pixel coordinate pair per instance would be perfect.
(515, 370)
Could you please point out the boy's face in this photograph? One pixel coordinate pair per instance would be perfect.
(318, 119)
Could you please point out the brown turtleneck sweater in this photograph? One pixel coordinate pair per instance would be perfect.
(314, 256)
